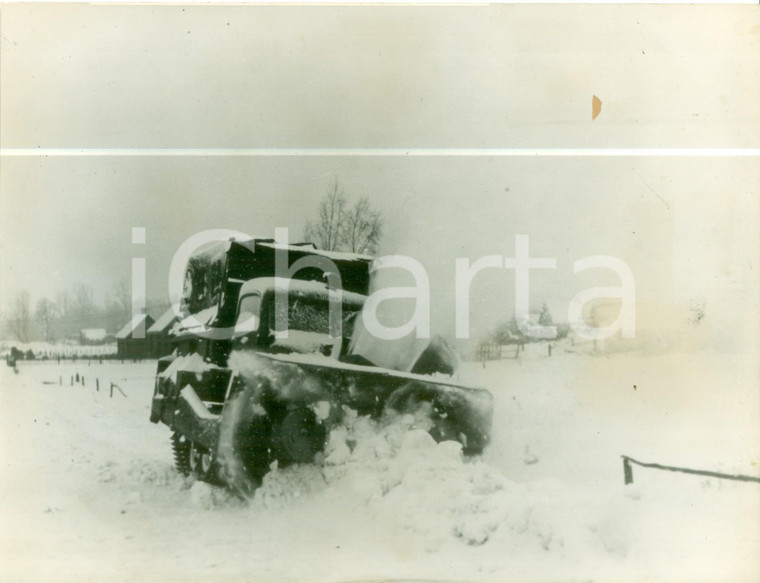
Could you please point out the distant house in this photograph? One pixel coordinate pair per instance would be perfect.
(132, 340)
(92, 336)
(158, 334)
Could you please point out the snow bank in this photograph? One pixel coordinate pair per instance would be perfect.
(394, 474)
(90, 494)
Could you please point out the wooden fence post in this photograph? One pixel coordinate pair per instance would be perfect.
(97, 384)
(112, 390)
(627, 471)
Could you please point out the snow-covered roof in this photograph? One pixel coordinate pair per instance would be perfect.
(213, 251)
(130, 326)
(93, 333)
(329, 254)
(216, 249)
(164, 322)
(306, 287)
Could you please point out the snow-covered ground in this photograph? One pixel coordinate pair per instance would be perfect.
(89, 492)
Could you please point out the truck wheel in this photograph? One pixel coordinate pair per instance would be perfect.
(299, 436)
(439, 420)
(200, 463)
(181, 450)
(445, 428)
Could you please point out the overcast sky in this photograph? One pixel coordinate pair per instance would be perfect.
(79, 76)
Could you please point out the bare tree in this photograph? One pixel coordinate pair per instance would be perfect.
(326, 230)
(65, 320)
(122, 300)
(362, 228)
(63, 304)
(84, 303)
(345, 227)
(45, 314)
(20, 318)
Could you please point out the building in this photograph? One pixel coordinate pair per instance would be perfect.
(132, 340)
(159, 336)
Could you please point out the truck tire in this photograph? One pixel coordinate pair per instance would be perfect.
(181, 451)
(298, 437)
(201, 463)
(443, 422)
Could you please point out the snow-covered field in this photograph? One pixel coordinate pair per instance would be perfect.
(89, 492)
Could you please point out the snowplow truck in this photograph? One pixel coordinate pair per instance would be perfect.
(264, 365)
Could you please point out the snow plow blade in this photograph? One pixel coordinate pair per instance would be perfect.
(463, 413)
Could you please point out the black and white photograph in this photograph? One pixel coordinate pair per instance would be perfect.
(379, 292)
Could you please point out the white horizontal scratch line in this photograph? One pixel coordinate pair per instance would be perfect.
(387, 152)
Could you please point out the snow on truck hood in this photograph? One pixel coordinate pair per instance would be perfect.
(302, 341)
(320, 360)
(306, 287)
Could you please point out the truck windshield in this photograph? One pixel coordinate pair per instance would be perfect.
(309, 316)
(312, 315)
(307, 321)
(308, 325)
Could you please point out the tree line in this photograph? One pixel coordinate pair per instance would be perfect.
(64, 315)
